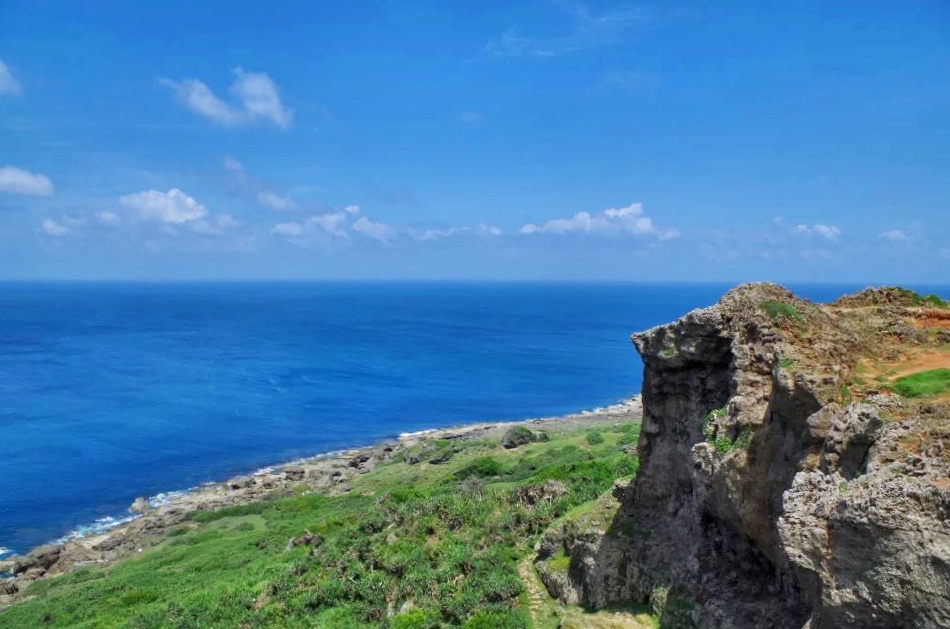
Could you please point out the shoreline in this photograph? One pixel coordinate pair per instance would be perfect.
(113, 538)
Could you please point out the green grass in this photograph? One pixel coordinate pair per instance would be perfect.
(426, 539)
(780, 310)
(786, 363)
(560, 561)
(924, 383)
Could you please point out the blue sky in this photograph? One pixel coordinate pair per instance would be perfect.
(493, 140)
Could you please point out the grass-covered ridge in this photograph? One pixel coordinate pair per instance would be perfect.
(412, 545)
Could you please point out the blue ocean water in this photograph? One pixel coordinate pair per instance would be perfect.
(112, 391)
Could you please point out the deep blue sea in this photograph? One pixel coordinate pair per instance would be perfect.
(112, 391)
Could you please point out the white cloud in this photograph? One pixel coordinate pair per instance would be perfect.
(333, 224)
(625, 220)
(895, 235)
(173, 207)
(15, 180)
(65, 225)
(482, 229)
(828, 232)
(199, 98)
(275, 201)
(8, 84)
(52, 227)
(110, 219)
(257, 97)
(260, 98)
(435, 234)
(379, 231)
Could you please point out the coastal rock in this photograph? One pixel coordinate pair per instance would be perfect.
(765, 498)
(294, 473)
(140, 505)
(240, 482)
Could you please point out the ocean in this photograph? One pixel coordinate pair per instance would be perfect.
(113, 391)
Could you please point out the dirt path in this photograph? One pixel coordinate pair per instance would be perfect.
(537, 595)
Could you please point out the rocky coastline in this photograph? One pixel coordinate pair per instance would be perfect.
(328, 473)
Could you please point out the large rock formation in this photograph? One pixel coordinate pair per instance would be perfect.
(778, 487)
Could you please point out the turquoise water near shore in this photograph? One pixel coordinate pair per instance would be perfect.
(112, 391)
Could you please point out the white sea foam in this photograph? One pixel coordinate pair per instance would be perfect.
(100, 526)
(166, 497)
(4, 551)
(418, 433)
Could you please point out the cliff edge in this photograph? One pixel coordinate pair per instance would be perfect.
(783, 481)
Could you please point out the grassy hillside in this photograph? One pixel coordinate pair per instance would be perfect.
(411, 545)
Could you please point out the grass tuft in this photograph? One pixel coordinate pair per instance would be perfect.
(924, 383)
(780, 310)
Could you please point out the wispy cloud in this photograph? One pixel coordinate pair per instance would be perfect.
(109, 219)
(423, 235)
(379, 231)
(614, 221)
(341, 224)
(510, 44)
(895, 235)
(261, 192)
(256, 97)
(63, 226)
(334, 224)
(8, 84)
(54, 228)
(15, 180)
(828, 232)
(588, 29)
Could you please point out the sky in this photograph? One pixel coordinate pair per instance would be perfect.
(537, 139)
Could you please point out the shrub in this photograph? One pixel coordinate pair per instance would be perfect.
(482, 467)
(518, 436)
(780, 310)
(594, 438)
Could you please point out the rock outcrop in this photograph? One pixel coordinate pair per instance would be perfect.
(777, 487)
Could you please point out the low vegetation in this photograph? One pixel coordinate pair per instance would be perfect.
(411, 545)
(924, 383)
(781, 311)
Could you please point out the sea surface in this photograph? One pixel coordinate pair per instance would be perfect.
(113, 391)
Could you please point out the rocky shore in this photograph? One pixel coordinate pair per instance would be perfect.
(327, 473)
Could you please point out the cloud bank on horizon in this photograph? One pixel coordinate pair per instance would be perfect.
(569, 140)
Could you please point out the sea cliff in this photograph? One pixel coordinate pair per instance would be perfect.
(782, 481)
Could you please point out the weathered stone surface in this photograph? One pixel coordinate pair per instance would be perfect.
(764, 498)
